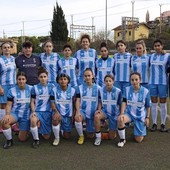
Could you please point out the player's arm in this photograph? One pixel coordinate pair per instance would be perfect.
(5, 119)
(33, 113)
(77, 105)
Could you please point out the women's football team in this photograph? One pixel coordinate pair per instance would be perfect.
(83, 89)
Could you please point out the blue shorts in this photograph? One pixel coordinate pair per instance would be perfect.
(139, 126)
(158, 90)
(89, 123)
(66, 124)
(112, 121)
(121, 85)
(24, 123)
(3, 99)
(45, 122)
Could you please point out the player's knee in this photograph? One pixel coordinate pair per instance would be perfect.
(67, 135)
(46, 137)
(112, 135)
(139, 139)
(22, 138)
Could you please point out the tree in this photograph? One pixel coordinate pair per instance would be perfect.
(59, 31)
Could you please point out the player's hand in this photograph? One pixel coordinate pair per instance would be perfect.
(147, 122)
(33, 114)
(1, 91)
(5, 119)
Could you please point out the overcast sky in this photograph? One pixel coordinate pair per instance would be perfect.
(36, 15)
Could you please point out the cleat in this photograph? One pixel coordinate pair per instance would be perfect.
(56, 142)
(35, 144)
(121, 143)
(97, 141)
(163, 129)
(81, 140)
(154, 127)
(8, 144)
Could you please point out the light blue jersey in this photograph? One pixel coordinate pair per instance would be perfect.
(111, 101)
(21, 101)
(63, 100)
(140, 64)
(41, 94)
(86, 59)
(122, 67)
(89, 98)
(158, 68)
(103, 68)
(49, 62)
(69, 66)
(7, 70)
(137, 102)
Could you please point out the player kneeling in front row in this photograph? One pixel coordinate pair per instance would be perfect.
(41, 116)
(136, 101)
(87, 102)
(111, 100)
(62, 98)
(17, 110)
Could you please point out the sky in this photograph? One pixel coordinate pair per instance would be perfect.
(34, 16)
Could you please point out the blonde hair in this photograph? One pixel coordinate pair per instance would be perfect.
(141, 42)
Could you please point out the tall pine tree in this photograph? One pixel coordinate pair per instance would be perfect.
(59, 31)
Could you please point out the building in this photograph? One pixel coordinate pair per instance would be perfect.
(13, 45)
(141, 31)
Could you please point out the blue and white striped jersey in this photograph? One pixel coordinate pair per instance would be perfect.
(69, 67)
(111, 101)
(41, 94)
(158, 67)
(7, 70)
(89, 99)
(49, 62)
(141, 65)
(21, 101)
(104, 67)
(137, 102)
(63, 100)
(86, 59)
(122, 66)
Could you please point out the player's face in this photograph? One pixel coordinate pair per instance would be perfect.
(48, 47)
(27, 51)
(139, 49)
(67, 52)
(6, 49)
(88, 77)
(85, 43)
(158, 47)
(21, 81)
(63, 82)
(104, 52)
(135, 81)
(43, 78)
(121, 47)
(109, 83)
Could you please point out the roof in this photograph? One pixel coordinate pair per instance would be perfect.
(131, 26)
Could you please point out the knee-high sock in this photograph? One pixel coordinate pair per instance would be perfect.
(79, 128)
(121, 133)
(34, 131)
(7, 133)
(154, 112)
(163, 107)
(56, 131)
